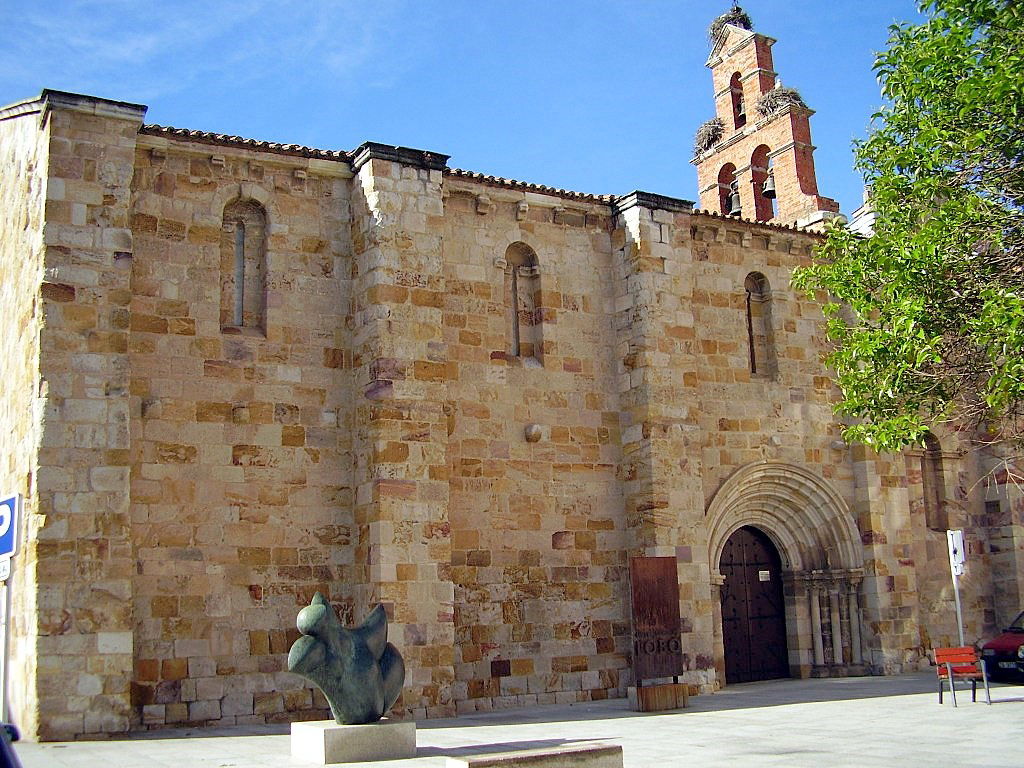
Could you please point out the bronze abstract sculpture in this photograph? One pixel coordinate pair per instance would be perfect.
(359, 671)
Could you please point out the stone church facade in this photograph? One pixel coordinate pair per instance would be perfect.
(240, 372)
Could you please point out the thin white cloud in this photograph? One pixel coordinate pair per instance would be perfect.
(141, 50)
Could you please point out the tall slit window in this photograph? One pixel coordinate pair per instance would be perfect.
(243, 278)
(239, 311)
(760, 335)
(933, 480)
(523, 304)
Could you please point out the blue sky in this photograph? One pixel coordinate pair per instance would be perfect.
(599, 96)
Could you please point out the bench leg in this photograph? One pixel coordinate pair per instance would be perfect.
(984, 677)
(940, 690)
(949, 676)
(974, 690)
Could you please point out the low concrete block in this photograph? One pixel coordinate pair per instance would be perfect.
(324, 741)
(588, 755)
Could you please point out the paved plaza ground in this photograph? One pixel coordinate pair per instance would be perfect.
(857, 721)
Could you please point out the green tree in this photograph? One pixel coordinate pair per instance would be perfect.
(926, 316)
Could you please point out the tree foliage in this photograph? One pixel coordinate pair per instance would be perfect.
(927, 315)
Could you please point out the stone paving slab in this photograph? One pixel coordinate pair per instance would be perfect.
(874, 721)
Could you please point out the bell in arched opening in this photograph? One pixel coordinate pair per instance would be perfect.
(735, 207)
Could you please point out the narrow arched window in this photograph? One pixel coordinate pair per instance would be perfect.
(729, 191)
(762, 182)
(523, 304)
(760, 336)
(933, 480)
(739, 109)
(243, 274)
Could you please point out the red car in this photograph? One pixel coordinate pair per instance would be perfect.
(1004, 655)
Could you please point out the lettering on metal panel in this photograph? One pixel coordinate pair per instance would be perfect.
(657, 650)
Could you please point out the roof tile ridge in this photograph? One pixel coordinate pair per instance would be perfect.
(768, 224)
(527, 185)
(233, 140)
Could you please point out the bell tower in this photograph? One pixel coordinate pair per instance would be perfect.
(755, 158)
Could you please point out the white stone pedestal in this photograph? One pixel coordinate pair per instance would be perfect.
(325, 742)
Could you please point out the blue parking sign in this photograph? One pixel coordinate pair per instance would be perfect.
(9, 526)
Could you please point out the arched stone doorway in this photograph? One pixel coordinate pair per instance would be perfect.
(813, 533)
(753, 608)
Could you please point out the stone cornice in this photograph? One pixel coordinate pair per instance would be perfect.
(19, 108)
(93, 105)
(652, 201)
(416, 158)
(75, 102)
(160, 140)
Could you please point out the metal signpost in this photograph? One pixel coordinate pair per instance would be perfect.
(10, 511)
(955, 540)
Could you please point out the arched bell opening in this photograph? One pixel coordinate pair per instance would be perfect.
(762, 183)
(729, 191)
(739, 108)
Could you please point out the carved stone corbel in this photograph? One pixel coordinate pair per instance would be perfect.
(484, 205)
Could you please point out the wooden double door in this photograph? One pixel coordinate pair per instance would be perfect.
(753, 608)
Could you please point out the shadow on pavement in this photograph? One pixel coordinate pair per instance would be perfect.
(771, 693)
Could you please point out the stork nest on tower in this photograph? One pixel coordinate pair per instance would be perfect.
(708, 135)
(736, 16)
(777, 99)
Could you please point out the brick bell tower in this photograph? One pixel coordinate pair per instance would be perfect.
(755, 159)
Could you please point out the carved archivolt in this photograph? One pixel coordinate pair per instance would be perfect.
(810, 523)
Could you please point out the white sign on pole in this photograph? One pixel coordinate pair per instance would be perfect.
(957, 556)
(955, 540)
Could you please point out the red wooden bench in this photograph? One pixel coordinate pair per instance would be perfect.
(960, 664)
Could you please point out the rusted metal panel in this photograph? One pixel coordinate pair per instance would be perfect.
(657, 650)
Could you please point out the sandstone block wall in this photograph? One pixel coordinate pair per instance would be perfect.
(378, 436)
(241, 438)
(401, 369)
(782, 412)
(24, 153)
(539, 542)
(1003, 505)
(83, 539)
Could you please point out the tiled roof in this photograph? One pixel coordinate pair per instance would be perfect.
(767, 224)
(297, 150)
(526, 186)
(204, 137)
